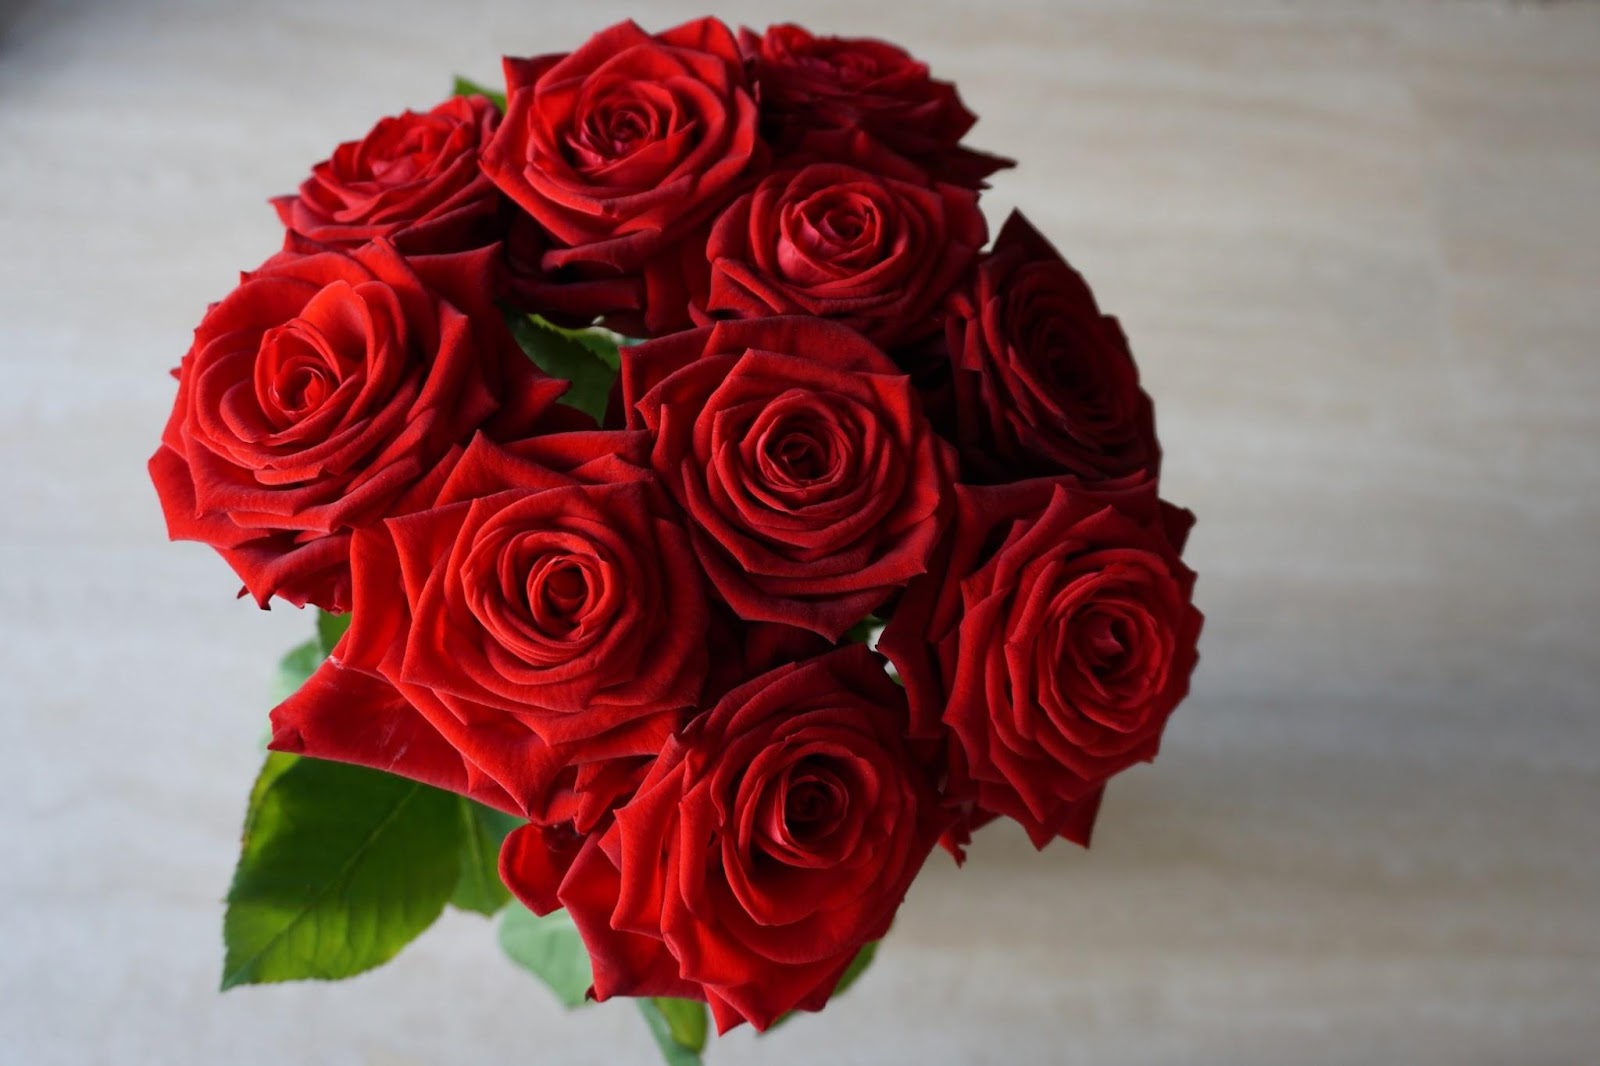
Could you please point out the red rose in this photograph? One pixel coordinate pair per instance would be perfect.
(863, 239)
(1052, 645)
(1043, 382)
(809, 83)
(798, 449)
(625, 146)
(322, 389)
(764, 848)
(414, 179)
(545, 616)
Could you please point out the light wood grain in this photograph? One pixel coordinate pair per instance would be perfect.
(1357, 247)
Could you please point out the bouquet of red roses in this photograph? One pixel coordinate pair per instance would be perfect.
(698, 644)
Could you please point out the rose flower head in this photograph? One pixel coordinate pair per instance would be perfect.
(320, 391)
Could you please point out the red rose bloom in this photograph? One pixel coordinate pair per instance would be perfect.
(809, 83)
(814, 485)
(545, 616)
(769, 842)
(320, 390)
(623, 147)
(1043, 382)
(1052, 643)
(414, 179)
(865, 240)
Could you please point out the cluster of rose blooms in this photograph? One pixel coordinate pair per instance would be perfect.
(645, 635)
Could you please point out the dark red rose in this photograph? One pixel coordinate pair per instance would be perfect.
(322, 389)
(809, 83)
(768, 843)
(624, 147)
(814, 485)
(1049, 646)
(862, 238)
(1043, 382)
(546, 617)
(414, 179)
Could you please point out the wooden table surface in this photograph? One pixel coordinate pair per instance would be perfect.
(1357, 248)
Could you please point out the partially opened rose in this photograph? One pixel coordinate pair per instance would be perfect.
(1049, 646)
(321, 390)
(414, 178)
(858, 236)
(1043, 382)
(545, 615)
(809, 82)
(623, 147)
(770, 841)
(814, 485)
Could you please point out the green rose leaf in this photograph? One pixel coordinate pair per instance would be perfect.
(686, 1020)
(550, 949)
(465, 87)
(482, 830)
(678, 1026)
(341, 867)
(601, 342)
(559, 354)
(293, 669)
(330, 627)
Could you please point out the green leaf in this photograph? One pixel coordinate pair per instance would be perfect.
(557, 353)
(482, 830)
(465, 87)
(857, 967)
(293, 669)
(550, 949)
(602, 342)
(664, 1027)
(340, 868)
(330, 627)
(686, 1020)
(867, 631)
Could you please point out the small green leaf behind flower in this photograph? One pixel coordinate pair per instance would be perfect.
(583, 357)
(679, 1027)
(466, 87)
(550, 948)
(482, 831)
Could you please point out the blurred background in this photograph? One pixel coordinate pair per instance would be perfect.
(1357, 249)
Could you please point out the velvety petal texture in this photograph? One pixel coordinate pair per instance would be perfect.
(859, 236)
(545, 615)
(414, 178)
(809, 83)
(319, 392)
(1048, 646)
(814, 484)
(1043, 383)
(767, 844)
(623, 147)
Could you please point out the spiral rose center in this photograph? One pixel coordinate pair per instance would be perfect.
(295, 373)
(560, 592)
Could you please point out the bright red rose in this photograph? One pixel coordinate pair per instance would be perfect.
(809, 83)
(322, 389)
(1049, 646)
(768, 843)
(414, 179)
(860, 237)
(624, 147)
(545, 616)
(814, 485)
(1043, 382)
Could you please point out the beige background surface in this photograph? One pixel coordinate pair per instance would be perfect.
(1357, 247)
